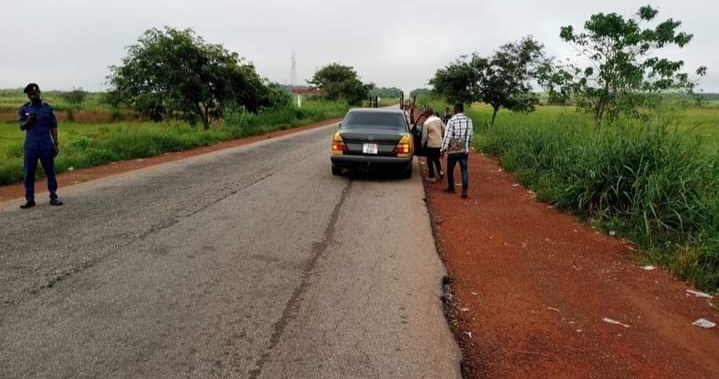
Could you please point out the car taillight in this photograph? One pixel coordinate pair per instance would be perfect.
(401, 148)
(338, 145)
(404, 146)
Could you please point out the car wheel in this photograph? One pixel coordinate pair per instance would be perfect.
(336, 170)
(407, 172)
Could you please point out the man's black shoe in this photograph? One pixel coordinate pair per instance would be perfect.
(449, 190)
(464, 196)
(55, 202)
(28, 204)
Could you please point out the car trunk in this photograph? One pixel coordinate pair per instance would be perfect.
(363, 141)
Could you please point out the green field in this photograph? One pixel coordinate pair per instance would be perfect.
(702, 122)
(12, 99)
(85, 145)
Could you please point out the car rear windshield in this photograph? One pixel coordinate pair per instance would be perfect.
(386, 121)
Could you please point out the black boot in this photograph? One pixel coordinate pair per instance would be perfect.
(28, 204)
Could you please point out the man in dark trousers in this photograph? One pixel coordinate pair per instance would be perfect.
(446, 115)
(457, 144)
(38, 120)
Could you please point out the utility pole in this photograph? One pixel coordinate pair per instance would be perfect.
(293, 79)
(293, 73)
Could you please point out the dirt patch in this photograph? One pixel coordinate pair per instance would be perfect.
(10, 192)
(531, 288)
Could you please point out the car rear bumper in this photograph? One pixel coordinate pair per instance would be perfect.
(350, 161)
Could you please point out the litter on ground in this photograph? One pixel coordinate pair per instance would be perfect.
(704, 323)
(615, 322)
(700, 294)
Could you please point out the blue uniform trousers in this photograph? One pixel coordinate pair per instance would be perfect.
(47, 159)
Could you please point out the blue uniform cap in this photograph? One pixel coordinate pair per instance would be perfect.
(32, 87)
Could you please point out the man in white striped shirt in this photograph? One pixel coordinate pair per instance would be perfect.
(458, 129)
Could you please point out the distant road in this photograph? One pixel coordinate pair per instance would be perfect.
(251, 262)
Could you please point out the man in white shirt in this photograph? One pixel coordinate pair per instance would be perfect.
(433, 131)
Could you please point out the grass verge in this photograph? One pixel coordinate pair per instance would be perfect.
(655, 182)
(86, 145)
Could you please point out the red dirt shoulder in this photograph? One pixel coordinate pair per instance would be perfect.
(532, 286)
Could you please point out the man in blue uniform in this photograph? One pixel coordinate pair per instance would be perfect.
(38, 120)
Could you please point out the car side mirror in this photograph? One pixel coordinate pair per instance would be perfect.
(339, 125)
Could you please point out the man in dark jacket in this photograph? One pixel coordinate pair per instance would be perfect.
(38, 120)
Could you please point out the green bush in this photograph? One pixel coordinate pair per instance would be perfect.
(12, 171)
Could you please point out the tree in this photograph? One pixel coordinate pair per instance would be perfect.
(502, 80)
(278, 96)
(340, 81)
(554, 79)
(174, 72)
(458, 81)
(390, 92)
(75, 98)
(621, 72)
(421, 92)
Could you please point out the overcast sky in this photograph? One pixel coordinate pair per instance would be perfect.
(70, 43)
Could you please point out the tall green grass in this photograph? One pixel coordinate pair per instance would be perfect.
(239, 123)
(86, 145)
(12, 99)
(653, 181)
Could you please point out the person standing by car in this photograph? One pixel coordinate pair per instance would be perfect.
(446, 116)
(37, 120)
(456, 144)
(434, 130)
(407, 115)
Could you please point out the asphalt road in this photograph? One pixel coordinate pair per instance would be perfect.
(251, 262)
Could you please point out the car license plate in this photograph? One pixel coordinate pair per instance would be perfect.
(369, 148)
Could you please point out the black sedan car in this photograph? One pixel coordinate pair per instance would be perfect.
(373, 138)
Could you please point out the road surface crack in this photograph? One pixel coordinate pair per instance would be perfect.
(292, 306)
(153, 229)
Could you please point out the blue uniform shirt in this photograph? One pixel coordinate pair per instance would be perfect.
(38, 137)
